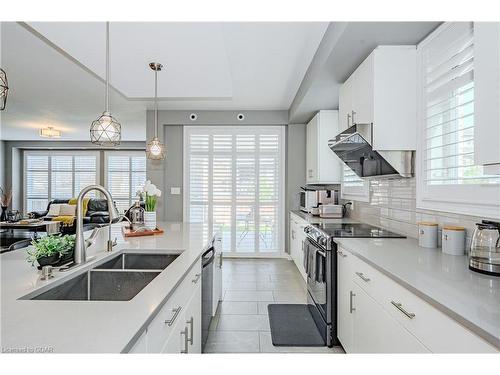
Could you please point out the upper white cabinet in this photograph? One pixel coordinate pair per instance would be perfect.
(487, 93)
(323, 166)
(382, 91)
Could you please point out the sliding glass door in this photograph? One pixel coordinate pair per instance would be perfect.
(233, 183)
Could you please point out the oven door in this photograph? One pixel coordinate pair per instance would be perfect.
(318, 272)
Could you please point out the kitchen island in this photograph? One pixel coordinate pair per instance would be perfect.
(64, 326)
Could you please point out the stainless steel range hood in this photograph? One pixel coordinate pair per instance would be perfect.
(354, 147)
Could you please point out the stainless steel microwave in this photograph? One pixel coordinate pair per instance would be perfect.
(308, 200)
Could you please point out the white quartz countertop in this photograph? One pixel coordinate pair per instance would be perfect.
(471, 298)
(91, 326)
(311, 219)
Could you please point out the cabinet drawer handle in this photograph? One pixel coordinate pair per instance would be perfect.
(399, 306)
(293, 234)
(220, 260)
(197, 277)
(352, 117)
(348, 120)
(191, 324)
(341, 254)
(176, 312)
(363, 277)
(185, 334)
(351, 296)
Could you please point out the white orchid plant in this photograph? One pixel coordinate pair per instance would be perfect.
(150, 193)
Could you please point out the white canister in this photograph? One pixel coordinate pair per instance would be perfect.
(427, 234)
(453, 240)
(150, 219)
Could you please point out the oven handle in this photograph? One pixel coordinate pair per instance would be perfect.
(318, 247)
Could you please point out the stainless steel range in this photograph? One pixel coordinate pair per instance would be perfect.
(320, 262)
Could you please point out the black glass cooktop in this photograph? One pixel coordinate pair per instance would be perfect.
(358, 230)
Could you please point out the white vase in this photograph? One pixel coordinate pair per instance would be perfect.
(150, 219)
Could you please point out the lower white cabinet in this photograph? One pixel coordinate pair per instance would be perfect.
(378, 315)
(345, 298)
(375, 331)
(185, 337)
(297, 237)
(176, 328)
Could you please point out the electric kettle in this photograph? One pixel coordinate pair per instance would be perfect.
(484, 254)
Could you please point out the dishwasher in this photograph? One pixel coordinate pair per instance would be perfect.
(207, 286)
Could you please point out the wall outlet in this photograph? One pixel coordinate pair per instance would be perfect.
(175, 190)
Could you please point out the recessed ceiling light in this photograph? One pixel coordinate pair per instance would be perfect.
(50, 132)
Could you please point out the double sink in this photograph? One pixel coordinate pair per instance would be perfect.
(120, 278)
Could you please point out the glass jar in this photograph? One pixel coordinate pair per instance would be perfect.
(137, 216)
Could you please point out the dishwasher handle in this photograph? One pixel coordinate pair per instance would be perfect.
(206, 262)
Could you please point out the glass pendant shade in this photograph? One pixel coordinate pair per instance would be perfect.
(105, 130)
(4, 89)
(155, 150)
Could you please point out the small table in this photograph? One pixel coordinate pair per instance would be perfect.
(51, 227)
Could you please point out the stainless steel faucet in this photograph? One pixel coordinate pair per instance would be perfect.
(80, 254)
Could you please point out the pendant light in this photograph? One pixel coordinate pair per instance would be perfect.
(155, 150)
(4, 89)
(106, 130)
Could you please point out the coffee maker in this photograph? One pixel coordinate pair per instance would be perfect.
(484, 254)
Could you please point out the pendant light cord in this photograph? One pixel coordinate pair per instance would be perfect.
(156, 103)
(107, 66)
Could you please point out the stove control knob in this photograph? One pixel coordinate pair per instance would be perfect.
(307, 229)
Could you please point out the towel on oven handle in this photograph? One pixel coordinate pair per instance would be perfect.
(320, 267)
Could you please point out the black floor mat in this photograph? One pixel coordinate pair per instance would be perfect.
(293, 325)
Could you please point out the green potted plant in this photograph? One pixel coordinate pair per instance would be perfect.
(54, 250)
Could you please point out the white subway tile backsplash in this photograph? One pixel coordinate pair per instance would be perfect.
(393, 206)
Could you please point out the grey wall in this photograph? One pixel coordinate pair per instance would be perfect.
(2, 164)
(295, 169)
(169, 173)
(12, 155)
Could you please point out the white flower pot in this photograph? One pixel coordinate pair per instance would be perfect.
(150, 219)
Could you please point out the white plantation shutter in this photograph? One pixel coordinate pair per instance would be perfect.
(125, 174)
(57, 175)
(446, 155)
(233, 184)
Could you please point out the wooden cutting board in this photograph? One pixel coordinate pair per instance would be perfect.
(127, 232)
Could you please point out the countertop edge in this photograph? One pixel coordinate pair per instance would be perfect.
(445, 310)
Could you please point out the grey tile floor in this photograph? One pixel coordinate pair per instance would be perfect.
(249, 285)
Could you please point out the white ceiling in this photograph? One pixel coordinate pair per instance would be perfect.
(55, 71)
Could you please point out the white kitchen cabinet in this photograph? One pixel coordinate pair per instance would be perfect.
(180, 315)
(185, 335)
(177, 342)
(345, 105)
(193, 321)
(382, 91)
(345, 297)
(383, 316)
(297, 237)
(487, 95)
(322, 165)
(375, 331)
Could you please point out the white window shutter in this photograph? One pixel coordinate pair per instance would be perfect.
(233, 184)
